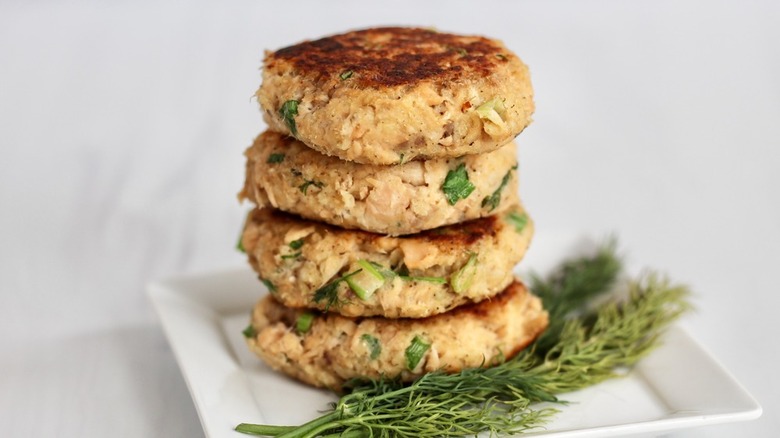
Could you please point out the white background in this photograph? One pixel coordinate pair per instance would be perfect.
(122, 127)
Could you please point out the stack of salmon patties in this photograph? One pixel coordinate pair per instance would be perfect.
(387, 223)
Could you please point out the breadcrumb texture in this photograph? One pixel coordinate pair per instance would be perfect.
(335, 348)
(283, 173)
(390, 95)
(299, 256)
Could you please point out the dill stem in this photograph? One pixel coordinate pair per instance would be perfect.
(347, 434)
(394, 393)
(315, 427)
(262, 429)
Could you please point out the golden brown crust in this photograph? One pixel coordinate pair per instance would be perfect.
(321, 254)
(402, 199)
(393, 56)
(334, 349)
(391, 95)
(466, 234)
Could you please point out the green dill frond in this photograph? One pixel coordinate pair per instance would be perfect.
(575, 283)
(618, 334)
(587, 348)
(330, 292)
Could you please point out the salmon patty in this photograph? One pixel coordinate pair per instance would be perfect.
(283, 173)
(326, 350)
(391, 95)
(308, 264)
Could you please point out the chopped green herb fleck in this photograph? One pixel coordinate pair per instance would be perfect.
(249, 331)
(305, 186)
(518, 220)
(346, 75)
(288, 111)
(459, 50)
(268, 284)
(373, 344)
(240, 244)
(329, 292)
(296, 244)
(464, 277)
(457, 185)
(415, 352)
(494, 199)
(294, 255)
(275, 158)
(501, 56)
(403, 272)
(303, 323)
(306, 182)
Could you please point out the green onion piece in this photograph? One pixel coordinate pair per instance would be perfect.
(294, 255)
(462, 279)
(296, 244)
(415, 352)
(346, 75)
(437, 280)
(288, 111)
(275, 158)
(457, 185)
(518, 220)
(403, 273)
(373, 344)
(249, 331)
(492, 110)
(367, 281)
(371, 268)
(303, 323)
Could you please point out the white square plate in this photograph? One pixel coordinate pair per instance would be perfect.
(679, 385)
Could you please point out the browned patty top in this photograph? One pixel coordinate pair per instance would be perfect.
(393, 56)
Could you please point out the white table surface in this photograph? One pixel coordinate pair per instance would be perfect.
(122, 127)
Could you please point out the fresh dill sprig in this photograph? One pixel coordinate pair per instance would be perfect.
(589, 348)
(330, 292)
(572, 285)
